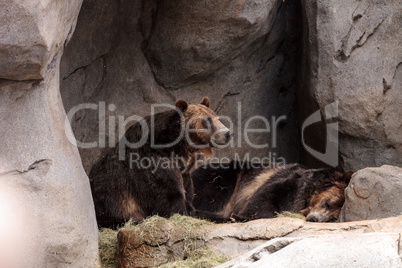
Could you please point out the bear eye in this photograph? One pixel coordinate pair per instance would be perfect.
(206, 122)
(327, 204)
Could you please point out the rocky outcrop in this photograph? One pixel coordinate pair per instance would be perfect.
(127, 55)
(44, 191)
(191, 40)
(356, 250)
(350, 56)
(163, 241)
(373, 193)
(32, 35)
(131, 54)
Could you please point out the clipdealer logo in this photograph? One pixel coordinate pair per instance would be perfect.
(242, 131)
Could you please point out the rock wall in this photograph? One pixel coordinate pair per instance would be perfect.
(131, 54)
(350, 55)
(47, 216)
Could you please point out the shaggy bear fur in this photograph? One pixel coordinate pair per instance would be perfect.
(122, 191)
(254, 193)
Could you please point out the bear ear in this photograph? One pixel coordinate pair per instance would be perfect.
(305, 212)
(347, 176)
(205, 101)
(182, 105)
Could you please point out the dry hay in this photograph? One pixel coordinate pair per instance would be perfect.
(107, 247)
(190, 228)
(199, 258)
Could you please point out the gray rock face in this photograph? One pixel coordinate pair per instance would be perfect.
(193, 39)
(47, 217)
(373, 193)
(59, 217)
(136, 53)
(32, 33)
(356, 250)
(351, 56)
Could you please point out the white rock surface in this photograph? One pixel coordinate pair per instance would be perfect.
(47, 216)
(347, 250)
(60, 199)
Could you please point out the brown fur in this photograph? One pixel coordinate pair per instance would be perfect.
(326, 206)
(121, 193)
(241, 196)
(260, 193)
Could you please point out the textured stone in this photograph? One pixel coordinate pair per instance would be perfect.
(373, 193)
(47, 217)
(58, 202)
(245, 53)
(193, 39)
(351, 56)
(356, 250)
(32, 33)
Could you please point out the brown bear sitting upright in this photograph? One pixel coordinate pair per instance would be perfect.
(122, 190)
(243, 192)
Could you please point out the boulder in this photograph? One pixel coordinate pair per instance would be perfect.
(350, 56)
(47, 217)
(352, 250)
(61, 225)
(193, 39)
(32, 33)
(373, 193)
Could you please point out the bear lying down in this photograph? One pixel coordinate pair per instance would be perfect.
(122, 190)
(245, 193)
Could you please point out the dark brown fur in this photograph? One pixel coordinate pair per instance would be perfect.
(255, 193)
(121, 193)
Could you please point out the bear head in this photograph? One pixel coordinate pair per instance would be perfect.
(326, 206)
(202, 126)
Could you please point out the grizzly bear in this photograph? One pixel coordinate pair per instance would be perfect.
(153, 178)
(242, 191)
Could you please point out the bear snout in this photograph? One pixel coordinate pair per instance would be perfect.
(228, 136)
(312, 219)
(222, 137)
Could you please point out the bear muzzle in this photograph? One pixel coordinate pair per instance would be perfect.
(221, 137)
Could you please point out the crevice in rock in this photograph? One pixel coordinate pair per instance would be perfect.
(396, 69)
(228, 94)
(358, 44)
(386, 86)
(85, 66)
(43, 165)
(341, 54)
(275, 247)
(33, 81)
(147, 34)
(264, 64)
